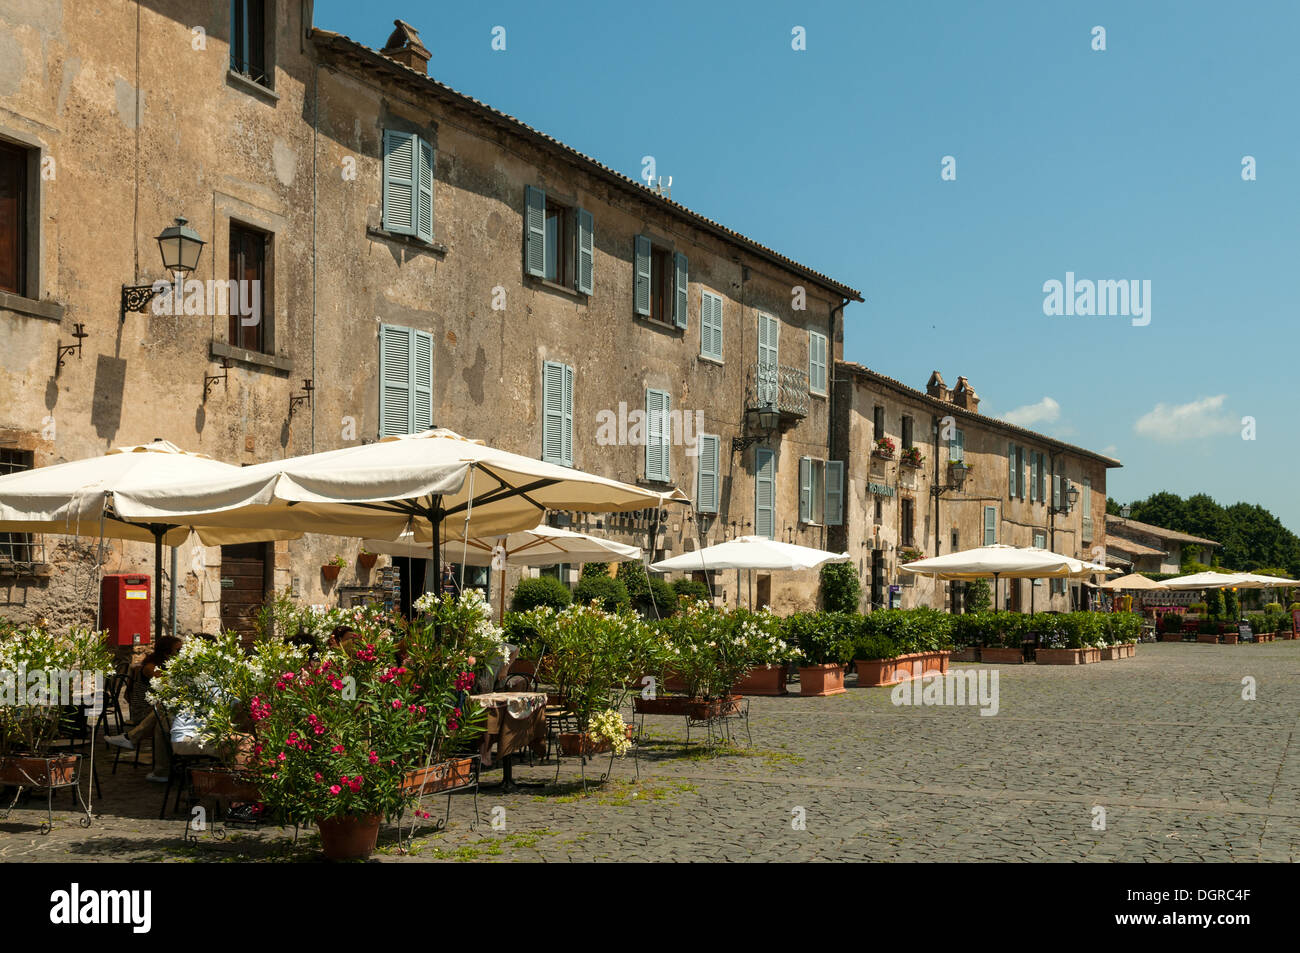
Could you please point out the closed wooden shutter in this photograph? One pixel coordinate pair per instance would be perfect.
(400, 184)
(706, 493)
(586, 271)
(834, 492)
(534, 232)
(764, 492)
(641, 292)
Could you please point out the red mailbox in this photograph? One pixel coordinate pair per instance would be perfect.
(125, 616)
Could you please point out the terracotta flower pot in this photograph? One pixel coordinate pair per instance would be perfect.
(1230, 638)
(821, 680)
(368, 560)
(574, 743)
(38, 772)
(1002, 656)
(1171, 636)
(348, 838)
(766, 680)
(1207, 638)
(441, 776)
(330, 572)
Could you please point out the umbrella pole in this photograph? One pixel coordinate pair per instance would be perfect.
(157, 582)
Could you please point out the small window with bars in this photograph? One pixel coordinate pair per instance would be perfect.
(18, 547)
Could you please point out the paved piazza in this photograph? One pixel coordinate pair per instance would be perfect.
(1184, 768)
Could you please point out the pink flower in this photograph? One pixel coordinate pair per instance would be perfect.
(397, 703)
(335, 790)
(319, 777)
(337, 749)
(280, 756)
(374, 758)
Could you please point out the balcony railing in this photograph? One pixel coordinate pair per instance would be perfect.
(786, 387)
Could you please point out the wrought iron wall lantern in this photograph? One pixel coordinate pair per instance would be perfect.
(760, 423)
(304, 397)
(1071, 498)
(212, 380)
(180, 247)
(78, 332)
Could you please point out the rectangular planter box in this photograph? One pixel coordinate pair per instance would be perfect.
(442, 776)
(875, 673)
(1208, 638)
(573, 743)
(224, 783)
(683, 706)
(1171, 636)
(1130, 649)
(1001, 656)
(767, 680)
(821, 680)
(1112, 653)
(30, 771)
(1230, 638)
(1060, 656)
(969, 654)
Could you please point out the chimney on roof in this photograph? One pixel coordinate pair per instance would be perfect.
(963, 395)
(404, 47)
(937, 388)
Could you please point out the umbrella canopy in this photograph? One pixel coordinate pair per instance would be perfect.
(1133, 581)
(540, 546)
(79, 499)
(997, 561)
(403, 483)
(1079, 568)
(750, 552)
(1209, 580)
(74, 498)
(1255, 581)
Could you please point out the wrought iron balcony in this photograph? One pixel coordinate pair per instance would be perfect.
(786, 388)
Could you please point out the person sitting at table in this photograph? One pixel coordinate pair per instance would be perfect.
(165, 649)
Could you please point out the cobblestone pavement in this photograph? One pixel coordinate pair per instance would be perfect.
(1184, 768)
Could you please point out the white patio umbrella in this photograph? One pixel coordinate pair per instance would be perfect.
(540, 546)
(1000, 561)
(78, 498)
(437, 485)
(1256, 581)
(1133, 581)
(752, 553)
(1208, 580)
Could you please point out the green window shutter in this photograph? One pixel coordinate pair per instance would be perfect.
(586, 271)
(400, 177)
(990, 525)
(764, 492)
(1056, 491)
(421, 381)
(641, 294)
(681, 279)
(553, 412)
(816, 362)
(769, 339)
(706, 491)
(568, 416)
(805, 489)
(658, 405)
(710, 325)
(394, 380)
(957, 447)
(1011, 469)
(834, 492)
(534, 232)
(1033, 477)
(424, 184)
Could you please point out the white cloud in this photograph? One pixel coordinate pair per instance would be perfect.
(1045, 411)
(1191, 421)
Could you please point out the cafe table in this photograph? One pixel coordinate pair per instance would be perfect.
(515, 722)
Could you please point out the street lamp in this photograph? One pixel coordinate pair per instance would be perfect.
(760, 422)
(180, 247)
(1125, 510)
(1073, 495)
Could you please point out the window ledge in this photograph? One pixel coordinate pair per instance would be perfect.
(656, 323)
(813, 393)
(33, 308)
(247, 85)
(254, 358)
(555, 286)
(712, 360)
(436, 247)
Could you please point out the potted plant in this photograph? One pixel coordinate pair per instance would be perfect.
(1171, 627)
(768, 653)
(1005, 641)
(332, 568)
(893, 644)
(884, 448)
(42, 675)
(825, 646)
(912, 457)
(367, 559)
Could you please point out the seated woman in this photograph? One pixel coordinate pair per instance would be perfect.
(163, 651)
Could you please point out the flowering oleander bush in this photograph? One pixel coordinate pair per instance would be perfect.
(711, 649)
(593, 656)
(821, 637)
(37, 665)
(212, 682)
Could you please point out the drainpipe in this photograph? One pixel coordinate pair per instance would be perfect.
(830, 420)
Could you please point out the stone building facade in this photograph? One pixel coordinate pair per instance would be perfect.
(418, 259)
(996, 483)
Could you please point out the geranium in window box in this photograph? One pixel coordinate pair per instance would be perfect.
(884, 448)
(912, 457)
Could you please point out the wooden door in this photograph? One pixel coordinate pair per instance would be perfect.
(243, 587)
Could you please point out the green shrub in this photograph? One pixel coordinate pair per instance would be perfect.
(1199, 608)
(542, 591)
(594, 569)
(1273, 607)
(610, 593)
(691, 589)
(521, 630)
(820, 637)
(841, 588)
(978, 596)
(1231, 610)
(1123, 627)
(1171, 622)
(660, 600)
(1214, 604)
(633, 576)
(902, 632)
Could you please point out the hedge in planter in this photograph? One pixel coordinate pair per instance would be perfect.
(542, 591)
(890, 644)
(824, 641)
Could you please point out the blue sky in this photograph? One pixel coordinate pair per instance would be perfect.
(1116, 164)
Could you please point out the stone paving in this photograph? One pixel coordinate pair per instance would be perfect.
(1184, 768)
